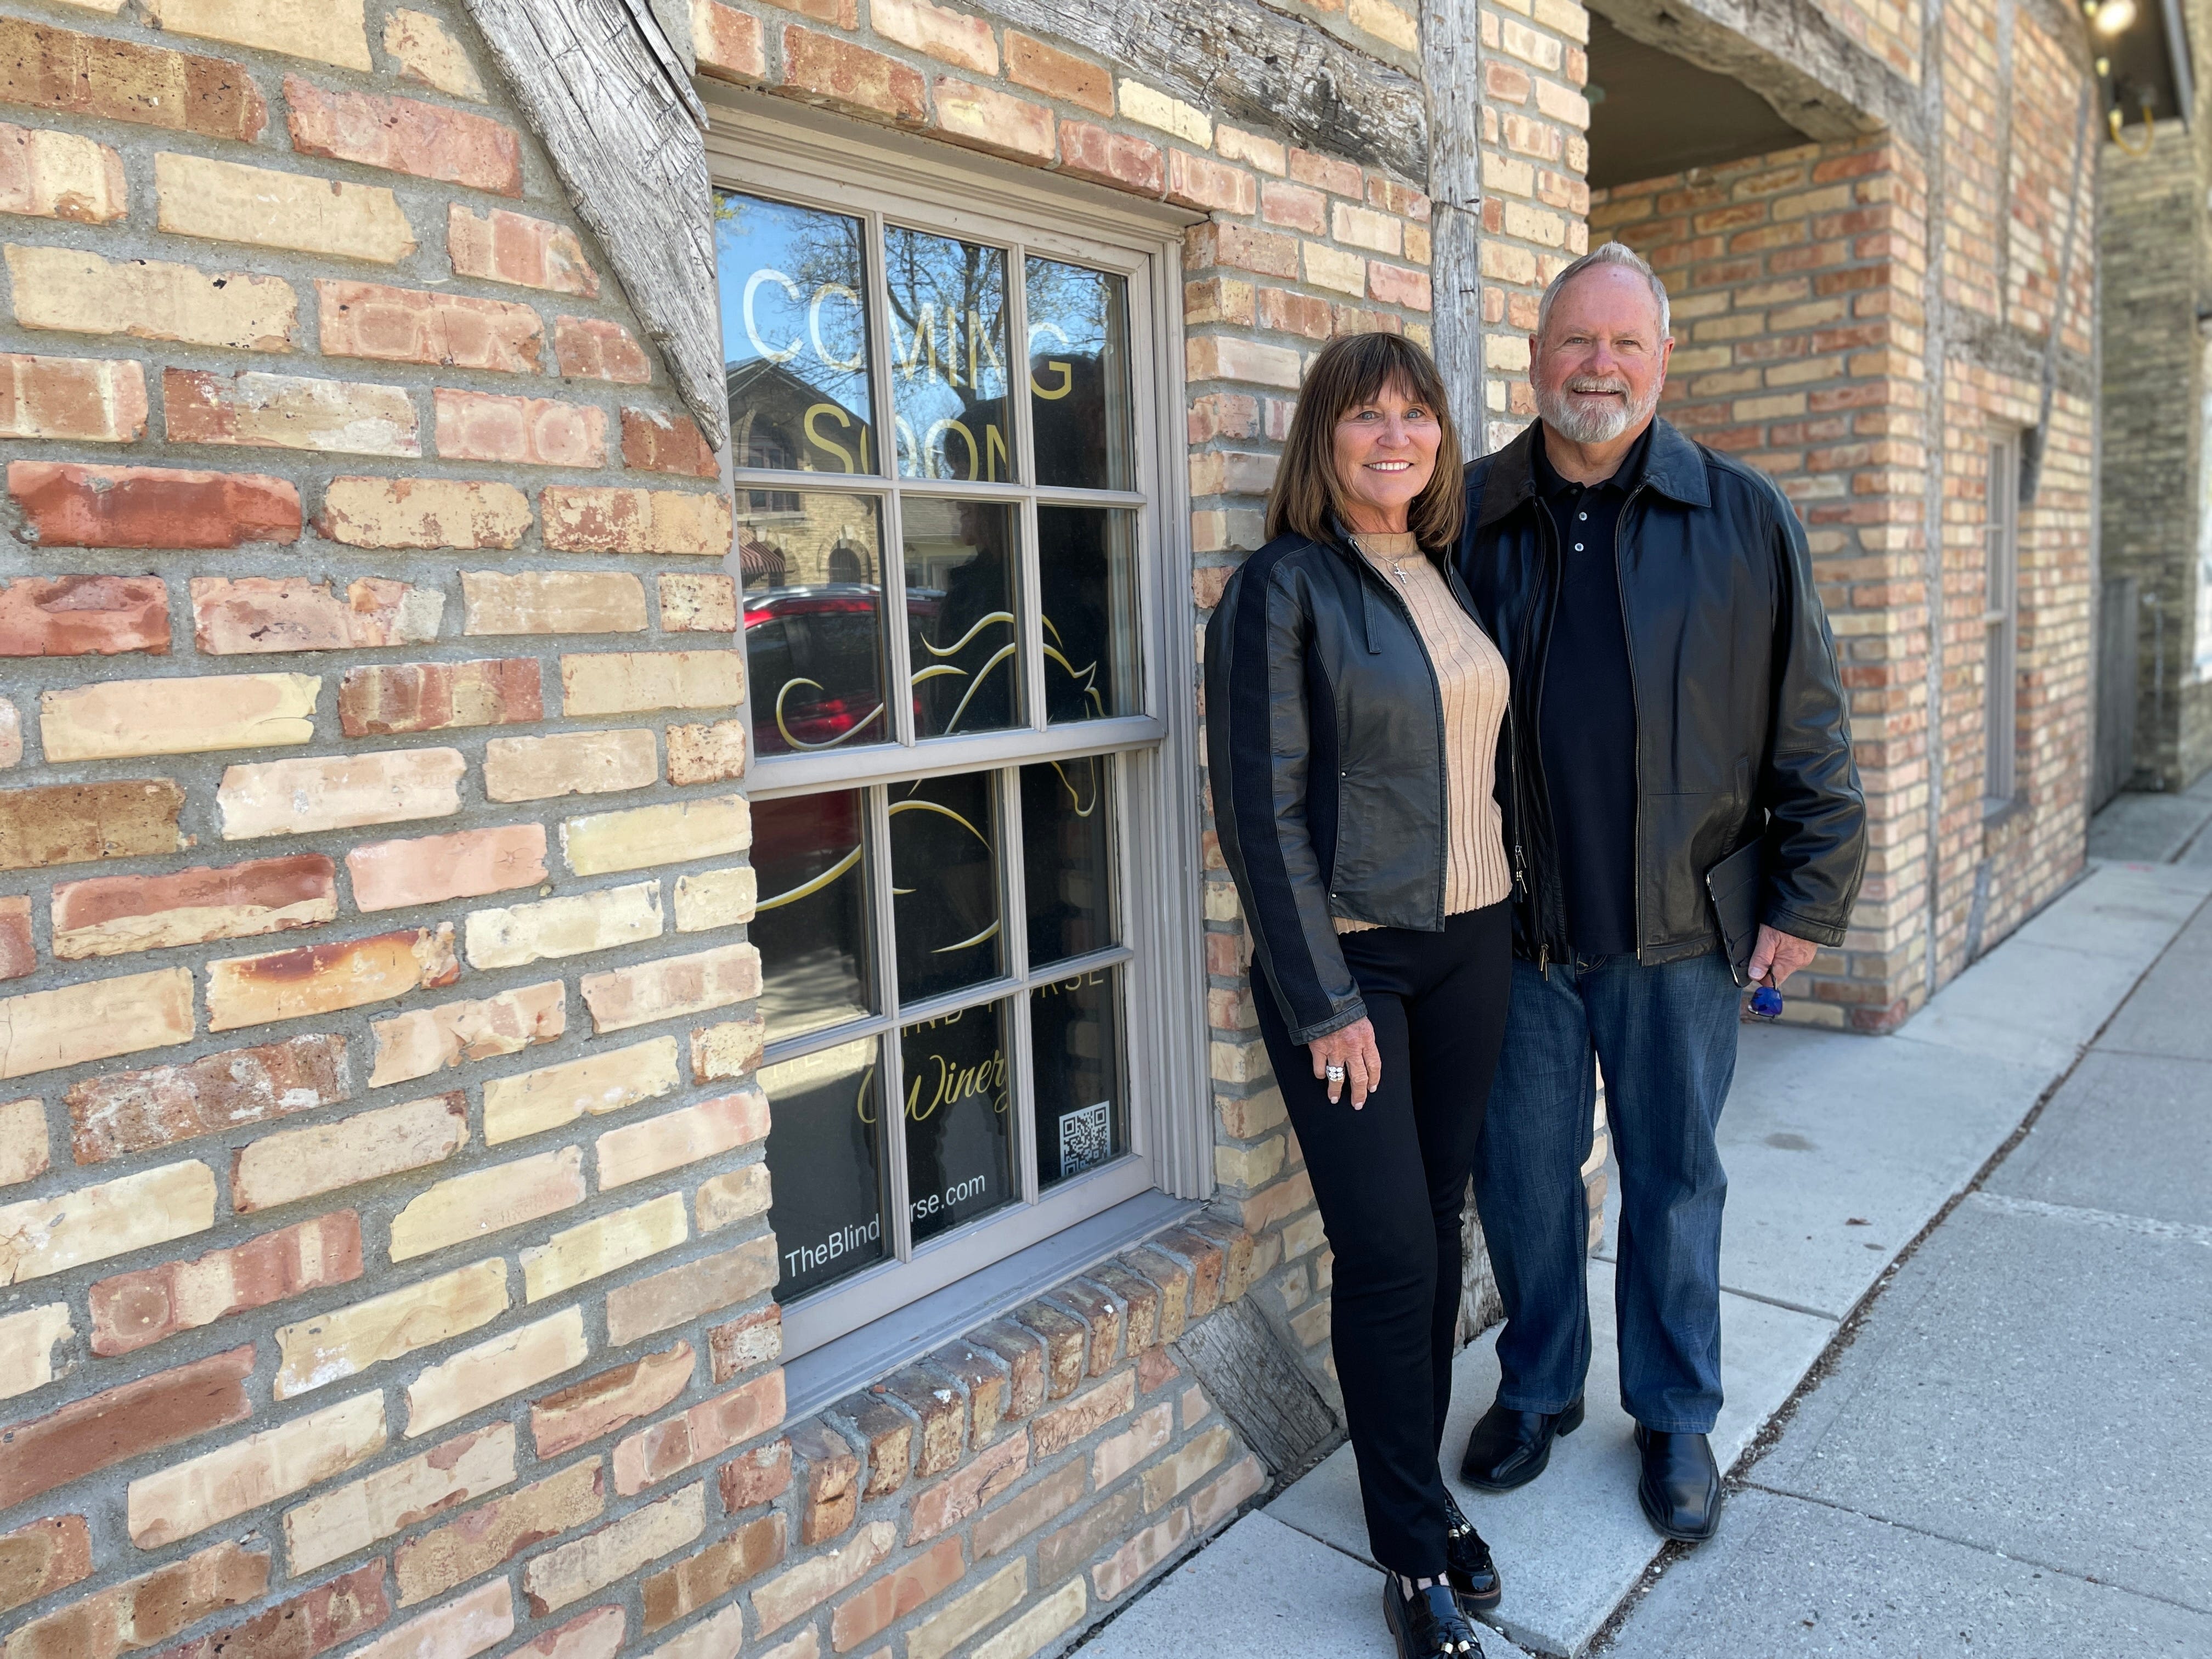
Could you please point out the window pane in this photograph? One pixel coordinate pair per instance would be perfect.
(1079, 376)
(945, 871)
(1087, 563)
(1075, 1041)
(1067, 852)
(959, 1140)
(825, 1164)
(948, 319)
(811, 926)
(960, 616)
(814, 637)
(794, 335)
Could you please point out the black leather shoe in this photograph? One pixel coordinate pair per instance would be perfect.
(1428, 1623)
(1468, 1565)
(1680, 1488)
(1510, 1449)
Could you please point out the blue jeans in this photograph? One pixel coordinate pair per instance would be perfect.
(1666, 1038)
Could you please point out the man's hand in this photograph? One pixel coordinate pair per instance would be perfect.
(1779, 953)
(1354, 1048)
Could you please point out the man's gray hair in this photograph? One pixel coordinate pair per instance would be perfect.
(1606, 254)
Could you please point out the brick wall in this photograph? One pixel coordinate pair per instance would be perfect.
(402, 1286)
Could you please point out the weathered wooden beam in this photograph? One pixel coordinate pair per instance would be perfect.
(1261, 1389)
(599, 96)
(1451, 60)
(1236, 59)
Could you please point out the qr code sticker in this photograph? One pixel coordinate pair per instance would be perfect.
(1086, 1138)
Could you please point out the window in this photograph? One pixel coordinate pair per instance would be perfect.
(968, 673)
(2001, 621)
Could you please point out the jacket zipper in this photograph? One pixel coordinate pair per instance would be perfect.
(1635, 708)
(1546, 533)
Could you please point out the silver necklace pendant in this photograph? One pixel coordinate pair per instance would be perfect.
(1398, 570)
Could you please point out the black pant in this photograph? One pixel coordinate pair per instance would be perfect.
(1439, 1003)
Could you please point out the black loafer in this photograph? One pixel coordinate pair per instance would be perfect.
(1428, 1623)
(1681, 1486)
(1510, 1449)
(1468, 1566)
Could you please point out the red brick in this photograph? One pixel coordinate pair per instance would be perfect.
(125, 1112)
(1344, 178)
(475, 425)
(18, 955)
(100, 400)
(1194, 181)
(289, 411)
(108, 916)
(406, 326)
(831, 1469)
(1058, 75)
(76, 822)
(132, 1310)
(1240, 248)
(895, 1594)
(322, 979)
(1118, 159)
(728, 42)
(69, 506)
(754, 1340)
(402, 134)
(983, 119)
(655, 442)
(93, 1434)
(390, 875)
(1394, 285)
(40, 1558)
(584, 1411)
(431, 696)
(501, 246)
(148, 1609)
(822, 68)
(64, 71)
(248, 614)
(302, 1625)
(600, 350)
(712, 1574)
(706, 1430)
(83, 616)
(755, 1477)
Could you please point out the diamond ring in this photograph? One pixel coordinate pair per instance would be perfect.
(1333, 1073)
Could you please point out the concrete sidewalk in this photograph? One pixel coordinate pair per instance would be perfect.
(1840, 1150)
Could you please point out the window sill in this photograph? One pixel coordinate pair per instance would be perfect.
(836, 1369)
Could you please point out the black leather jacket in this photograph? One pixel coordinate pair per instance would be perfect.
(1741, 726)
(1325, 733)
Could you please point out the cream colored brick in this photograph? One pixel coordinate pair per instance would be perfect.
(203, 1491)
(637, 1152)
(339, 791)
(80, 293)
(462, 1628)
(569, 763)
(1053, 1617)
(636, 681)
(716, 1637)
(26, 1347)
(607, 1081)
(488, 1201)
(118, 719)
(44, 1236)
(328, 31)
(422, 1041)
(292, 1165)
(735, 1195)
(728, 1048)
(59, 176)
(96, 1020)
(1386, 22)
(1116, 1456)
(601, 1245)
(509, 1363)
(671, 986)
(668, 832)
(316, 1352)
(426, 52)
(1155, 108)
(228, 202)
(566, 927)
(289, 411)
(995, 1596)
(1171, 1476)
(1248, 1166)
(715, 898)
(589, 1563)
(423, 512)
(1333, 268)
(340, 1522)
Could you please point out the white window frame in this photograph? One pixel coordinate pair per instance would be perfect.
(770, 149)
(2001, 622)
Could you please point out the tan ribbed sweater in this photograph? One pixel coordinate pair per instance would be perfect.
(1472, 676)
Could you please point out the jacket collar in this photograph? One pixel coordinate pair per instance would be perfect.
(1672, 465)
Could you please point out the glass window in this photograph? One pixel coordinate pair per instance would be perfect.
(2001, 621)
(939, 802)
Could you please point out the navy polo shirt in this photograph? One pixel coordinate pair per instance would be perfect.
(1587, 724)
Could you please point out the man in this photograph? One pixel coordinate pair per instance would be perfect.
(1675, 697)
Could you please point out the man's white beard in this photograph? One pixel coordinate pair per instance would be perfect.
(1592, 423)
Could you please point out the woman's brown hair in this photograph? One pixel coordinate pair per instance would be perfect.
(1308, 497)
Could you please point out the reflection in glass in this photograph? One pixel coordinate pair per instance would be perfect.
(795, 337)
(814, 646)
(948, 327)
(1068, 853)
(1087, 566)
(1075, 1041)
(825, 1163)
(812, 925)
(945, 874)
(959, 1140)
(960, 615)
(1079, 376)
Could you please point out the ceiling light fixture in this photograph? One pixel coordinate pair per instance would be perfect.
(2109, 17)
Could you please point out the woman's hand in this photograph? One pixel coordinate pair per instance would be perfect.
(1354, 1048)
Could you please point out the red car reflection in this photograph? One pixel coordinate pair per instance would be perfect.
(814, 659)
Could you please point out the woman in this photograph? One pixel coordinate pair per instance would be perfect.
(1353, 707)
